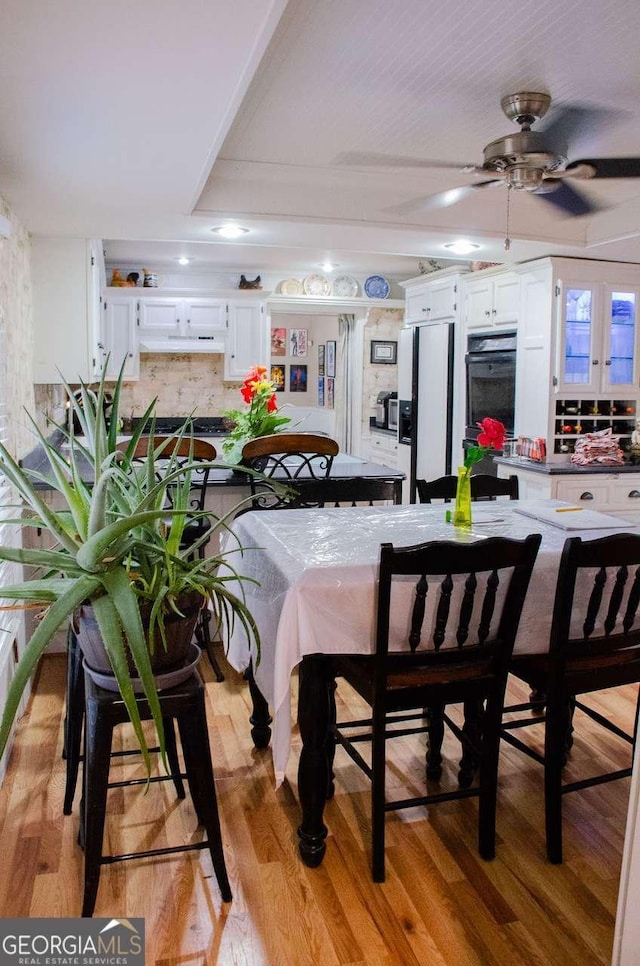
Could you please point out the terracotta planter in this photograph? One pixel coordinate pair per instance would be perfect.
(170, 666)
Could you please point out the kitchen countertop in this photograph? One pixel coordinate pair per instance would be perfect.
(378, 429)
(344, 466)
(561, 469)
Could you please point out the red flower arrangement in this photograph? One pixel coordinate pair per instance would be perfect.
(261, 419)
(491, 436)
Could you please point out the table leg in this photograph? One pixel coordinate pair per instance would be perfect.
(314, 715)
(260, 719)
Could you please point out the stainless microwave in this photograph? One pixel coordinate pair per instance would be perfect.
(392, 417)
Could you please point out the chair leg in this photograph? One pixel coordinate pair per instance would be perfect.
(96, 778)
(172, 755)
(558, 719)
(74, 719)
(197, 754)
(378, 769)
(472, 732)
(435, 735)
(489, 758)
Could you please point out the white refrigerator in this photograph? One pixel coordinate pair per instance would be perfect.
(430, 363)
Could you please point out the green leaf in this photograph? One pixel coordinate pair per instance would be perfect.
(53, 618)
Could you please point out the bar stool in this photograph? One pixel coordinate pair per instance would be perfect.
(103, 711)
(73, 725)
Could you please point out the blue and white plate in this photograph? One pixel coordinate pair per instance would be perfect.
(377, 287)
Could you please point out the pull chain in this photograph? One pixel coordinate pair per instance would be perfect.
(507, 241)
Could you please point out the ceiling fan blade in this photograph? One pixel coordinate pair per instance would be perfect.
(367, 160)
(442, 199)
(568, 126)
(611, 167)
(562, 195)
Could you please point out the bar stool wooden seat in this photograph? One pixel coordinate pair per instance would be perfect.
(104, 710)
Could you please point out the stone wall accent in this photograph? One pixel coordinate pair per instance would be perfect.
(382, 325)
(16, 318)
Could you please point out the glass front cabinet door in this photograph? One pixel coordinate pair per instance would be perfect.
(598, 339)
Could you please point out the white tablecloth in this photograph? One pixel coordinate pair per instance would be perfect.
(315, 573)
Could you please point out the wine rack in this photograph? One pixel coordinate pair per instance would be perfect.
(575, 417)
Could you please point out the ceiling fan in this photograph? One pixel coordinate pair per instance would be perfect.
(534, 161)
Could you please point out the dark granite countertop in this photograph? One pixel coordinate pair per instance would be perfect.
(561, 469)
(344, 467)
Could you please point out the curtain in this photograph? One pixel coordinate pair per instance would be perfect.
(348, 385)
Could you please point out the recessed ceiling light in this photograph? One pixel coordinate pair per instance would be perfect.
(328, 266)
(230, 231)
(461, 247)
(182, 259)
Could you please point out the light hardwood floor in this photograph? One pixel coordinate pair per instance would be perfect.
(441, 904)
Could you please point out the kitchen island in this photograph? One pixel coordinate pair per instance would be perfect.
(611, 489)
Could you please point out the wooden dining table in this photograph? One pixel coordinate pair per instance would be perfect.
(311, 589)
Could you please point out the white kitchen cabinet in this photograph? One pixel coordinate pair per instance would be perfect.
(381, 448)
(492, 301)
(432, 300)
(598, 337)
(204, 317)
(67, 284)
(247, 338)
(617, 493)
(162, 318)
(119, 337)
(567, 322)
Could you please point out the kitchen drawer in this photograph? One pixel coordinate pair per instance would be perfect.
(594, 493)
(383, 449)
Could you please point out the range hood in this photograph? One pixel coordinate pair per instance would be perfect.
(178, 343)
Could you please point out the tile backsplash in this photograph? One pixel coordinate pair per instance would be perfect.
(182, 384)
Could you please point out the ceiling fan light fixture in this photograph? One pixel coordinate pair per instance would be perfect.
(230, 231)
(462, 247)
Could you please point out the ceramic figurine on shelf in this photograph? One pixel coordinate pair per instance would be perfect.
(249, 283)
(117, 280)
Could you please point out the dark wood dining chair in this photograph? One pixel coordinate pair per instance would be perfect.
(451, 659)
(594, 644)
(347, 491)
(294, 460)
(483, 487)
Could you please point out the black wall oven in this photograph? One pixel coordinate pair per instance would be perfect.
(491, 384)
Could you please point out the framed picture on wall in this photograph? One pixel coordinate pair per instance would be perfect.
(277, 377)
(297, 378)
(330, 360)
(297, 342)
(321, 360)
(278, 342)
(384, 353)
(329, 397)
(321, 390)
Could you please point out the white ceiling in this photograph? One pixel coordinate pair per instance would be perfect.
(148, 124)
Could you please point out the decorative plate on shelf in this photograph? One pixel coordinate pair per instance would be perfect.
(377, 287)
(345, 287)
(291, 286)
(316, 285)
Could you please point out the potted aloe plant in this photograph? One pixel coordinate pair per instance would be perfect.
(118, 549)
